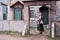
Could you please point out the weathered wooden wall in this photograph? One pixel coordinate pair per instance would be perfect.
(12, 26)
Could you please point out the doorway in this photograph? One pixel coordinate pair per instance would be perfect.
(33, 17)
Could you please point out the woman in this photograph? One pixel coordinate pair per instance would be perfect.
(40, 27)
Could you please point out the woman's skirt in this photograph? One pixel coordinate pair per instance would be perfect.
(40, 27)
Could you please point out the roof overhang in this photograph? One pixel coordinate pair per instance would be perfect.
(39, 0)
(15, 4)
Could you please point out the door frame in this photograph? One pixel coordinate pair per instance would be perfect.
(49, 8)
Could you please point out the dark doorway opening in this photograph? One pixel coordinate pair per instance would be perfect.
(45, 12)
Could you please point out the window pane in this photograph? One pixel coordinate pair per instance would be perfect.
(18, 14)
(4, 16)
(4, 12)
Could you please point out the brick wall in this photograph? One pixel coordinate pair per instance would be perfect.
(52, 3)
(38, 3)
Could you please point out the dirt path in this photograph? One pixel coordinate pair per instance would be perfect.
(33, 37)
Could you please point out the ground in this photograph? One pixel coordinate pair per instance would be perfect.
(33, 37)
(16, 36)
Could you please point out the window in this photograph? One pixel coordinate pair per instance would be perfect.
(4, 16)
(17, 13)
(58, 12)
(4, 12)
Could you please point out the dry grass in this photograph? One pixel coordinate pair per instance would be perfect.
(11, 33)
(47, 33)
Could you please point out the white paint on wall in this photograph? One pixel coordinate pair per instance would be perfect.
(1, 12)
(12, 26)
(17, 26)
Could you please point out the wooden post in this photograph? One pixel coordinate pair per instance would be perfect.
(26, 20)
(52, 30)
(10, 12)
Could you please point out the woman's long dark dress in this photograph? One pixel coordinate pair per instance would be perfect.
(40, 25)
